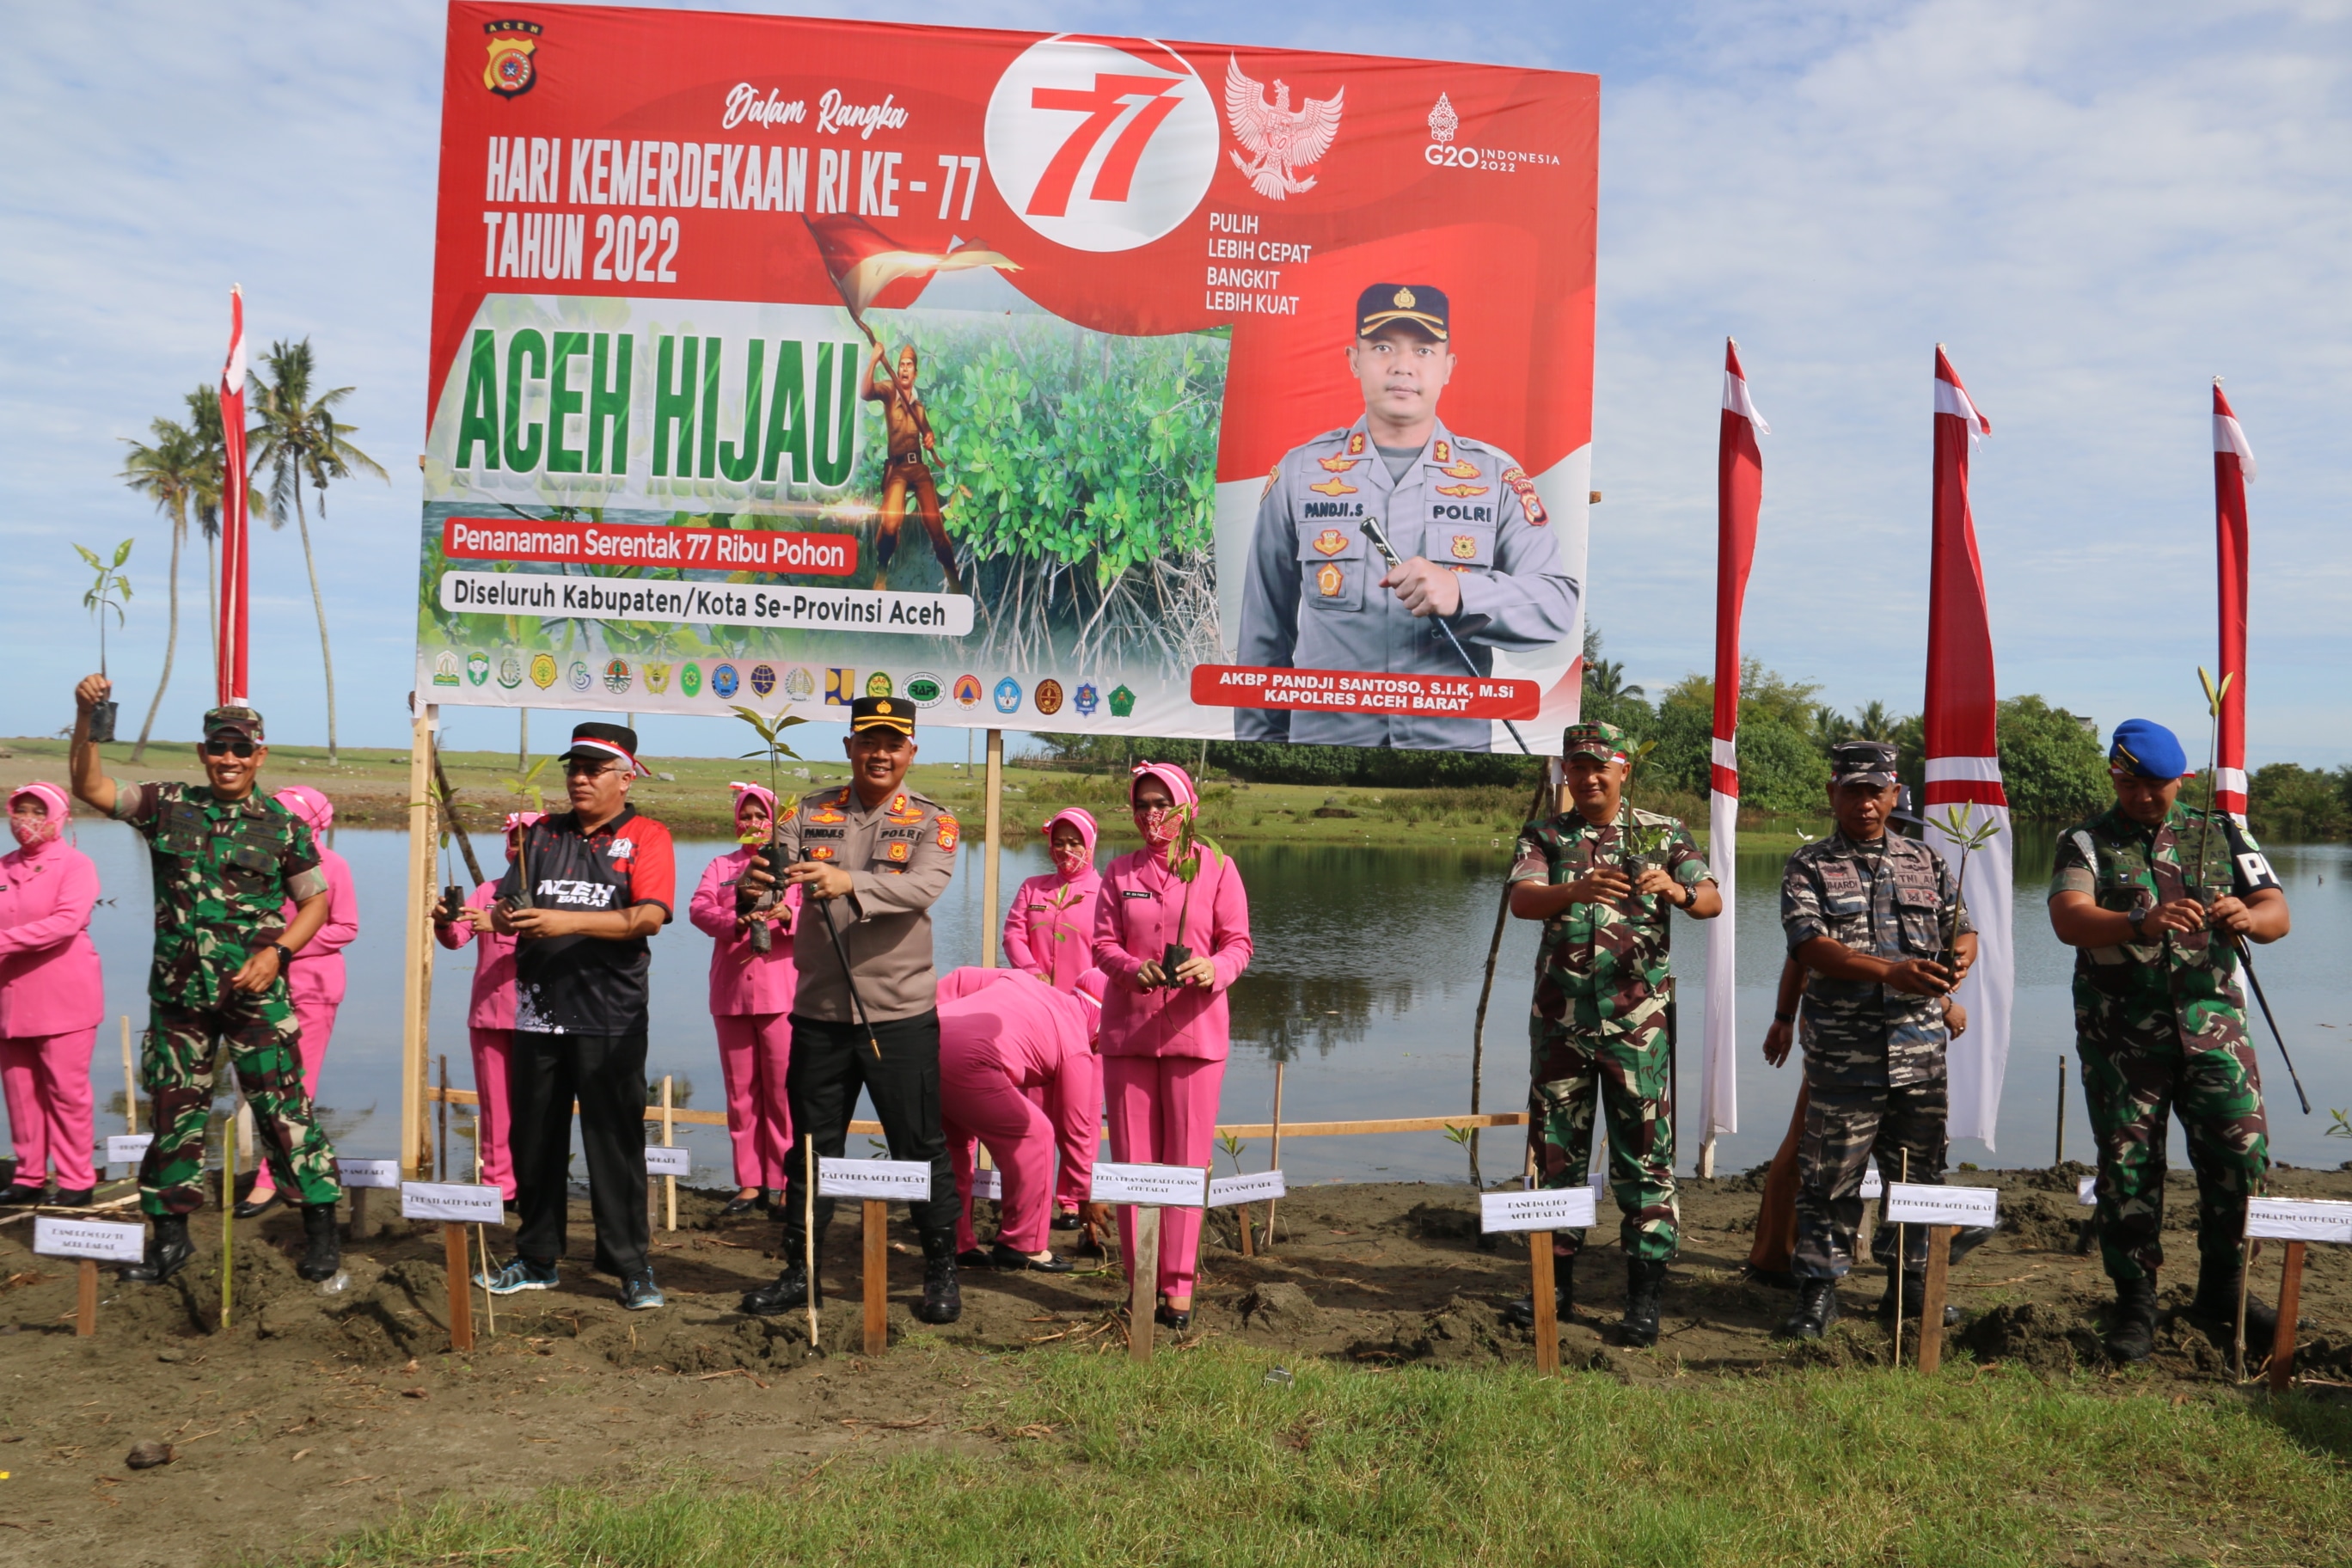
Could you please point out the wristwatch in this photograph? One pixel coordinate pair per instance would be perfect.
(2139, 926)
(285, 955)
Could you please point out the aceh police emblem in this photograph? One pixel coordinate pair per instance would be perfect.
(1330, 542)
(1330, 580)
(511, 70)
(1465, 547)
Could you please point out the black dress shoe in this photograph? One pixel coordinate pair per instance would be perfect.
(1003, 1257)
(734, 1206)
(788, 1293)
(975, 1257)
(250, 1209)
(1168, 1317)
(75, 1197)
(19, 1197)
(1066, 1219)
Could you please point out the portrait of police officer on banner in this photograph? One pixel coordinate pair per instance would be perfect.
(1470, 537)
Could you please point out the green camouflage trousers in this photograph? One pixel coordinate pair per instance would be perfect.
(1844, 1127)
(177, 1066)
(2132, 1088)
(1626, 1075)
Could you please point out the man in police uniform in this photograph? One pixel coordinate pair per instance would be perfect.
(1868, 913)
(227, 860)
(1470, 535)
(871, 857)
(2139, 893)
(1602, 877)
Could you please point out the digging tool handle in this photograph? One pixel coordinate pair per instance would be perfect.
(1380, 542)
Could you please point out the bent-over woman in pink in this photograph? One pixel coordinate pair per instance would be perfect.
(1017, 1073)
(489, 1013)
(52, 995)
(315, 980)
(751, 1005)
(1050, 932)
(1165, 1036)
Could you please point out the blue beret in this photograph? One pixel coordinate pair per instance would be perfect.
(2145, 747)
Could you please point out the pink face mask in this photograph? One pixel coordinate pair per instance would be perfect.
(31, 832)
(1069, 859)
(1158, 826)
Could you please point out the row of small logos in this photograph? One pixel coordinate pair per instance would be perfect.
(798, 682)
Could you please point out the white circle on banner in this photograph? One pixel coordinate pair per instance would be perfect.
(1101, 146)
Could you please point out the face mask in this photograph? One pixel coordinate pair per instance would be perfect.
(1159, 831)
(33, 832)
(1069, 859)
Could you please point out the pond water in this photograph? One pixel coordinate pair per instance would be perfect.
(1365, 982)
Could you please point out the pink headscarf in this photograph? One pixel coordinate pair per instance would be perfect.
(1084, 821)
(516, 822)
(1179, 784)
(312, 806)
(60, 808)
(747, 792)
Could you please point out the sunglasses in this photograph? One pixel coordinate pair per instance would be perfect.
(239, 748)
(587, 768)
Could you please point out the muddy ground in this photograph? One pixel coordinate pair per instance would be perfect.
(316, 1413)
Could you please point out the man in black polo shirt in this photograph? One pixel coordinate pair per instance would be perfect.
(588, 887)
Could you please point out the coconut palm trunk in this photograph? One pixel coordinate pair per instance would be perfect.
(326, 655)
(171, 643)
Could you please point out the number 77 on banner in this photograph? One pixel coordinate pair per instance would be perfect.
(1102, 105)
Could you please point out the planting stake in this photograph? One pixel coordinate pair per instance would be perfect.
(2289, 1307)
(877, 1275)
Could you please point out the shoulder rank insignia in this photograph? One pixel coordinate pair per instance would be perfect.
(1355, 443)
(1463, 490)
(949, 831)
(1464, 469)
(1444, 453)
(820, 852)
(1330, 580)
(1334, 485)
(1330, 542)
(1524, 488)
(1272, 474)
(1465, 547)
(825, 814)
(1338, 465)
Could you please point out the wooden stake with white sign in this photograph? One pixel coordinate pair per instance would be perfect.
(1931, 1299)
(455, 1205)
(1142, 1296)
(669, 1140)
(877, 1275)
(456, 1253)
(88, 1242)
(2282, 1342)
(1546, 1302)
(86, 1301)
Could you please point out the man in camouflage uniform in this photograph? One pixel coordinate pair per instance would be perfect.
(1869, 915)
(1600, 876)
(2161, 1025)
(227, 860)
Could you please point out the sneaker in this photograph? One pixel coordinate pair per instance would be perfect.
(521, 1274)
(639, 1293)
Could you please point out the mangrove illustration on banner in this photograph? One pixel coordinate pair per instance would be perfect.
(1037, 380)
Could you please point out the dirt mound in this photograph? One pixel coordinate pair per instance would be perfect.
(2042, 1222)
(2047, 1338)
(1279, 1307)
(1440, 1222)
(1461, 1329)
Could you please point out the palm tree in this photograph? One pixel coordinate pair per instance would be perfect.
(299, 439)
(1606, 679)
(1871, 722)
(204, 425)
(168, 472)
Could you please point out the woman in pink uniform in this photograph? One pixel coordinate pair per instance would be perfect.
(1050, 932)
(1017, 1073)
(1165, 1037)
(489, 1014)
(51, 999)
(750, 1005)
(314, 982)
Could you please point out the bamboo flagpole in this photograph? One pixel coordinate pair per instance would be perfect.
(993, 825)
(2233, 469)
(1739, 500)
(416, 968)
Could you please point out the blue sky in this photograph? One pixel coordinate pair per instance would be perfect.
(2098, 208)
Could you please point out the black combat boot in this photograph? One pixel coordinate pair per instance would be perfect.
(790, 1291)
(1915, 1298)
(1817, 1308)
(1645, 1277)
(2215, 1309)
(2131, 1325)
(942, 1302)
(168, 1251)
(1521, 1313)
(322, 1250)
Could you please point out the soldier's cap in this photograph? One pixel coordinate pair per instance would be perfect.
(1594, 738)
(2147, 748)
(1412, 304)
(1864, 762)
(882, 714)
(235, 720)
(602, 742)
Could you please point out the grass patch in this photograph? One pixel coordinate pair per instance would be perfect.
(1196, 1459)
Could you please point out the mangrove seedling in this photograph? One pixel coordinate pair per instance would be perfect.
(110, 591)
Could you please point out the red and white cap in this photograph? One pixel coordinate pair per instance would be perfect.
(605, 740)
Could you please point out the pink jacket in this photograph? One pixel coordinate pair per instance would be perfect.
(493, 1004)
(1049, 929)
(1135, 918)
(1007, 1021)
(317, 974)
(50, 982)
(741, 981)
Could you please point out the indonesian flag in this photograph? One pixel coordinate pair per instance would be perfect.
(235, 525)
(864, 264)
(2233, 470)
(1738, 496)
(1964, 760)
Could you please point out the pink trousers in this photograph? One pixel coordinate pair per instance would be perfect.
(1070, 1183)
(46, 1079)
(1163, 1112)
(754, 1051)
(316, 1019)
(977, 1101)
(491, 1049)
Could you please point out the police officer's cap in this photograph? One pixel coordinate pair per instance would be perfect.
(601, 743)
(882, 714)
(1409, 304)
(233, 721)
(2147, 748)
(1864, 762)
(1594, 738)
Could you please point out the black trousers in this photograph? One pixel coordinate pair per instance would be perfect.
(830, 1063)
(606, 1073)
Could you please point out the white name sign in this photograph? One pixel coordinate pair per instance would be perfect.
(2087, 1192)
(899, 1181)
(105, 1241)
(2300, 1219)
(988, 1183)
(451, 1203)
(661, 1162)
(128, 1147)
(1155, 1186)
(1874, 1183)
(379, 1173)
(1257, 1187)
(1548, 1208)
(1916, 1203)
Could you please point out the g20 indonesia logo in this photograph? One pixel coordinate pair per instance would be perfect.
(1101, 146)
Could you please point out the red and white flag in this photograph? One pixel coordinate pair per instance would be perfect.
(236, 532)
(1964, 785)
(863, 263)
(2233, 470)
(1738, 497)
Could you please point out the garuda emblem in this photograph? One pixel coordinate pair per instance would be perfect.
(1280, 139)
